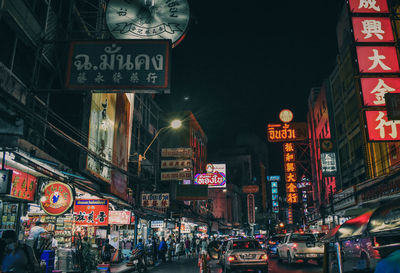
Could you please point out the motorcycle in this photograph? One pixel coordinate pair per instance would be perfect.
(138, 261)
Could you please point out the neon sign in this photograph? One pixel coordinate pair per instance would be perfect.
(283, 132)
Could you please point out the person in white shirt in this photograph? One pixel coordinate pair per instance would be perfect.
(34, 234)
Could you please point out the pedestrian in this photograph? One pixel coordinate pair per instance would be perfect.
(162, 249)
(193, 246)
(106, 252)
(155, 249)
(204, 245)
(17, 257)
(178, 249)
(33, 239)
(187, 247)
(197, 246)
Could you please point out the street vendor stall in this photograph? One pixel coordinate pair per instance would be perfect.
(359, 243)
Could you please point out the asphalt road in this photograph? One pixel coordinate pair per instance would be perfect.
(190, 266)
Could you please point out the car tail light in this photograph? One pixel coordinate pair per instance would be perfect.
(377, 244)
(295, 245)
(231, 258)
(264, 257)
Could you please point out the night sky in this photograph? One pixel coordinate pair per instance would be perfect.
(243, 61)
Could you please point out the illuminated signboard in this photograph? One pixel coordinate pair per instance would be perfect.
(274, 190)
(377, 59)
(251, 209)
(23, 185)
(290, 215)
(56, 199)
(273, 178)
(328, 164)
(214, 178)
(289, 158)
(91, 212)
(368, 6)
(155, 200)
(284, 132)
(119, 217)
(286, 115)
(372, 29)
(380, 128)
(374, 90)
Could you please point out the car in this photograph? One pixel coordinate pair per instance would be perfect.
(296, 246)
(245, 254)
(272, 244)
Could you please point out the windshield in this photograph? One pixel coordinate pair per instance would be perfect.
(246, 245)
(302, 238)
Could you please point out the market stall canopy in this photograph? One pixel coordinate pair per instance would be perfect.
(354, 227)
(331, 234)
(385, 219)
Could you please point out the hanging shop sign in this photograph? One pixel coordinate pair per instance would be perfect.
(119, 217)
(393, 106)
(214, 178)
(274, 178)
(149, 19)
(177, 152)
(368, 6)
(250, 189)
(183, 175)
(372, 29)
(251, 213)
(284, 132)
(379, 128)
(377, 59)
(157, 224)
(5, 181)
(119, 65)
(176, 164)
(191, 192)
(91, 212)
(328, 164)
(56, 199)
(23, 185)
(290, 215)
(157, 200)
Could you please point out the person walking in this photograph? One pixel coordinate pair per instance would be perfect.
(17, 257)
(162, 249)
(106, 252)
(178, 249)
(187, 247)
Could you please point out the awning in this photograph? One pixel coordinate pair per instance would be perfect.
(385, 219)
(331, 234)
(354, 227)
(355, 212)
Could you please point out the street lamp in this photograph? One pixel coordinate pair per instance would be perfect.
(175, 124)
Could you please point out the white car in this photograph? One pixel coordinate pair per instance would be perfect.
(303, 247)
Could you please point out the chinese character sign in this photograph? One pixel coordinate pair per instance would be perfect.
(374, 90)
(377, 59)
(251, 209)
(119, 65)
(91, 212)
(368, 6)
(372, 29)
(289, 161)
(380, 128)
(157, 200)
(274, 189)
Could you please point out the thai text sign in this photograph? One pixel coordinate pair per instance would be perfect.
(372, 29)
(57, 198)
(157, 200)
(119, 217)
(91, 212)
(283, 132)
(380, 128)
(377, 59)
(176, 164)
(369, 6)
(213, 180)
(177, 152)
(119, 65)
(251, 214)
(167, 176)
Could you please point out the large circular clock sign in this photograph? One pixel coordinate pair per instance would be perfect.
(148, 19)
(286, 116)
(56, 198)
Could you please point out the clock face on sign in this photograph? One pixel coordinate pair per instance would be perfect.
(148, 19)
(326, 145)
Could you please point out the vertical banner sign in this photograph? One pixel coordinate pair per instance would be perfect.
(274, 190)
(251, 209)
(289, 159)
(91, 212)
(377, 59)
(380, 128)
(372, 30)
(290, 215)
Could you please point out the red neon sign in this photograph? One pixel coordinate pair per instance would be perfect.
(374, 90)
(369, 6)
(377, 59)
(372, 29)
(380, 128)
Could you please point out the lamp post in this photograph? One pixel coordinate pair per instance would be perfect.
(175, 124)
